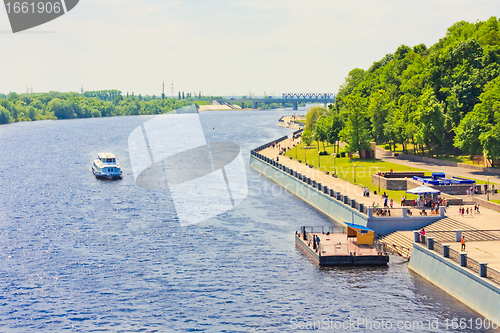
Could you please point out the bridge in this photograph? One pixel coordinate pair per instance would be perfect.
(295, 99)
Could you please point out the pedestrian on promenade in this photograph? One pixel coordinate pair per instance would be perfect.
(385, 202)
(422, 235)
(463, 244)
(468, 192)
(467, 211)
(392, 203)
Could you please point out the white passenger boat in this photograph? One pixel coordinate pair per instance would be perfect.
(106, 167)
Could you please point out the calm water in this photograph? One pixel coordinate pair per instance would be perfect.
(86, 255)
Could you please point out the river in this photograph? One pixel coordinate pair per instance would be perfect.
(87, 255)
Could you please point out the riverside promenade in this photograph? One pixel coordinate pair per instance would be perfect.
(338, 199)
(473, 276)
(482, 251)
(337, 184)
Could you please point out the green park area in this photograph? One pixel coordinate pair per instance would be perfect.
(356, 171)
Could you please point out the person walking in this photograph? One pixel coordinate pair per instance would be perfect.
(392, 203)
(463, 244)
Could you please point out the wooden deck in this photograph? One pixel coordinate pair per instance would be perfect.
(336, 250)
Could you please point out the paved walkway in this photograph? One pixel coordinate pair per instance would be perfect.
(485, 251)
(337, 184)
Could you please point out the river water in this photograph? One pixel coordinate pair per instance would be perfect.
(81, 254)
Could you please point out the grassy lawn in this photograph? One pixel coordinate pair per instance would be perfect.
(345, 167)
(203, 102)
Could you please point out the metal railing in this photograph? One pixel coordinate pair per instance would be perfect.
(493, 275)
(399, 250)
(469, 235)
(454, 256)
(473, 265)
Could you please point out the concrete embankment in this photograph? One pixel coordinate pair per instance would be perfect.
(472, 290)
(328, 195)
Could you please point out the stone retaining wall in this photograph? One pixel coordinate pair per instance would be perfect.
(487, 204)
(470, 289)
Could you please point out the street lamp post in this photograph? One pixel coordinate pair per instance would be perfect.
(335, 164)
(378, 174)
(354, 173)
(296, 151)
(488, 190)
(319, 159)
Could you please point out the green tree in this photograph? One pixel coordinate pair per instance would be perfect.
(307, 137)
(468, 133)
(432, 121)
(491, 143)
(313, 115)
(335, 125)
(355, 133)
(4, 115)
(12, 96)
(321, 130)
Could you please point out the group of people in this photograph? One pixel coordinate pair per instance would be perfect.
(433, 211)
(381, 211)
(462, 211)
(434, 204)
(472, 190)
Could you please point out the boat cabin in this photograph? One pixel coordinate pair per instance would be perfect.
(107, 158)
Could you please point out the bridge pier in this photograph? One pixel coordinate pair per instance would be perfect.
(295, 106)
(254, 105)
(283, 105)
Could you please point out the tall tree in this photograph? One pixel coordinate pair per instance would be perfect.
(356, 133)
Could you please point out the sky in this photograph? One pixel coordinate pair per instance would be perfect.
(220, 47)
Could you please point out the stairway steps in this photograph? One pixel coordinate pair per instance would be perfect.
(447, 224)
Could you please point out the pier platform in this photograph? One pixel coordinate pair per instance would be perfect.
(338, 249)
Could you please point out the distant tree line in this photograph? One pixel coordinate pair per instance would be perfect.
(105, 103)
